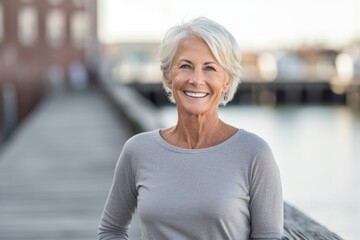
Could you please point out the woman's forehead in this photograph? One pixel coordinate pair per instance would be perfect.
(194, 48)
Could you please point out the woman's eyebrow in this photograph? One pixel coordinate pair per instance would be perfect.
(188, 61)
(206, 63)
(185, 60)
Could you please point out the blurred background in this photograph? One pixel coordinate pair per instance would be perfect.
(300, 90)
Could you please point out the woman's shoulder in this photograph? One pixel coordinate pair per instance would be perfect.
(251, 139)
(139, 144)
(250, 144)
(141, 138)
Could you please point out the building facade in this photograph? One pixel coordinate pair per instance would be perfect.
(39, 42)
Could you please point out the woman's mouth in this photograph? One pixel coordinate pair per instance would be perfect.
(195, 94)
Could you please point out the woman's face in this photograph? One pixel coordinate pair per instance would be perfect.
(197, 80)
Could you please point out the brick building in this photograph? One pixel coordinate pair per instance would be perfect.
(39, 38)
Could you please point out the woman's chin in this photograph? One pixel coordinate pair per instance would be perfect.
(195, 109)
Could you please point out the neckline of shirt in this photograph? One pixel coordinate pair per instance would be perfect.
(173, 148)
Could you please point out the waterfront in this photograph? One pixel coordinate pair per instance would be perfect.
(317, 150)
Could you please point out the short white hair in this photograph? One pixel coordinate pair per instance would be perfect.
(221, 42)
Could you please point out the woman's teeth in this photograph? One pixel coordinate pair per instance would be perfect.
(195, 95)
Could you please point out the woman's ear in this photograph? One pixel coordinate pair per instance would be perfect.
(167, 79)
(228, 80)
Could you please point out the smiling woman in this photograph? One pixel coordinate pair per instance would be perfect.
(197, 81)
(216, 54)
(201, 178)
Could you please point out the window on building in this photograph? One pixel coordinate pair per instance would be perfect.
(55, 28)
(2, 31)
(27, 25)
(79, 28)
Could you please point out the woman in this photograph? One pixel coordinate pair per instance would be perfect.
(202, 178)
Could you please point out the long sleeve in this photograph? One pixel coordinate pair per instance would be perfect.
(266, 200)
(121, 202)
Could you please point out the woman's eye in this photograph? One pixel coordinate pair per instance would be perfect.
(209, 68)
(185, 66)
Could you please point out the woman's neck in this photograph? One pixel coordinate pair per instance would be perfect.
(198, 131)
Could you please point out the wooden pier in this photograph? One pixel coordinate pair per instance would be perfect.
(57, 169)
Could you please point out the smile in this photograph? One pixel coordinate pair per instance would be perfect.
(195, 94)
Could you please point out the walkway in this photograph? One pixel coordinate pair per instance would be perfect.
(56, 171)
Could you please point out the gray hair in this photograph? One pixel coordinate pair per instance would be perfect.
(220, 41)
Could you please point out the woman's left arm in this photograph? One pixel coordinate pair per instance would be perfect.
(266, 199)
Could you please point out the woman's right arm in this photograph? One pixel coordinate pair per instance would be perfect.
(121, 202)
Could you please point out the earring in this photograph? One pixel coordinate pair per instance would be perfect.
(169, 94)
(226, 98)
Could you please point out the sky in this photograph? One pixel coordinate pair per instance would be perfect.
(256, 24)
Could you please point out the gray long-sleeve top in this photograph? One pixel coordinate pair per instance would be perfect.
(228, 191)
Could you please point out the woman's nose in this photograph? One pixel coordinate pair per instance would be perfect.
(197, 78)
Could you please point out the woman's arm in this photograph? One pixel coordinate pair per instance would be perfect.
(121, 202)
(266, 200)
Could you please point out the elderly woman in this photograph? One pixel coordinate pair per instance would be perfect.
(201, 179)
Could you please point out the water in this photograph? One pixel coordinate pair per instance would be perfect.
(317, 149)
